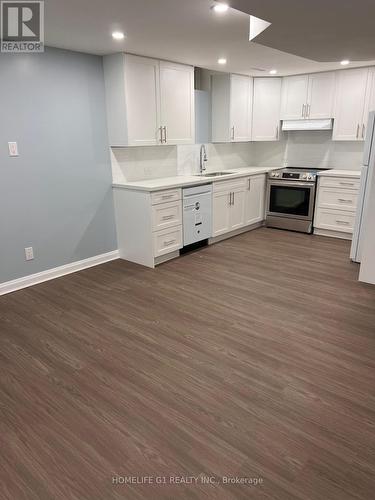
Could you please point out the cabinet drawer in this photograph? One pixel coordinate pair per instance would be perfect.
(335, 220)
(339, 182)
(167, 241)
(166, 215)
(228, 186)
(338, 199)
(165, 196)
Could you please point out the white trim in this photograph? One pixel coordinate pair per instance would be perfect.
(50, 274)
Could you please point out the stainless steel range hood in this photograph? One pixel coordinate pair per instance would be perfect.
(307, 125)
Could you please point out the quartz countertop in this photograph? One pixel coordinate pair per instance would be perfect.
(190, 180)
(354, 174)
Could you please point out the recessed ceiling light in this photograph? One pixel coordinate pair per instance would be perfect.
(222, 60)
(273, 72)
(220, 7)
(118, 35)
(345, 62)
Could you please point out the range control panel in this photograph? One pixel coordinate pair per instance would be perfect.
(293, 175)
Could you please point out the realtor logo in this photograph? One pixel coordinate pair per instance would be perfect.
(22, 26)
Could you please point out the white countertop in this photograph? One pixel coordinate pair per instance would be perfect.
(354, 174)
(190, 180)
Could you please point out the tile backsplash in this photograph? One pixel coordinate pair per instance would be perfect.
(137, 163)
(311, 149)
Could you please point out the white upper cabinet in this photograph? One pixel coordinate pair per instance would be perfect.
(294, 97)
(149, 102)
(266, 109)
(177, 103)
(241, 107)
(142, 112)
(232, 97)
(353, 95)
(308, 97)
(320, 96)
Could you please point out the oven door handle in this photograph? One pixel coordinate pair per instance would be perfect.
(292, 183)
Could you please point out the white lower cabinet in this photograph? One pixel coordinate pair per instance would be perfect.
(336, 205)
(149, 225)
(167, 241)
(255, 199)
(228, 206)
(238, 204)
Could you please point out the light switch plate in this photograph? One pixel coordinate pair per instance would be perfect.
(13, 148)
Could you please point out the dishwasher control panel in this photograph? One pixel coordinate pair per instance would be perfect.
(197, 213)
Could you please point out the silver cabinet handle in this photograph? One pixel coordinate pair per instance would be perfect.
(303, 110)
(161, 134)
(233, 199)
(169, 243)
(307, 110)
(232, 137)
(230, 199)
(363, 131)
(343, 222)
(357, 131)
(277, 132)
(345, 201)
(342, 183)
(168, 217)
(249, 184)
(165, 134)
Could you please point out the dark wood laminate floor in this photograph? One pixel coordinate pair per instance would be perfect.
(251, 358)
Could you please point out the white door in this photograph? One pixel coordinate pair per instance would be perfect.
(221, 213)
(142, 100)
(241, 93)
(294, 97)
(266, 109)
(255, 199)
(320, 98)
(349, 105)
(177, 103)
(237, 210)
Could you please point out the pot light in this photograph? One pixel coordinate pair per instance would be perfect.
(222, 60)
(345, 62)
(273, 72)
(220, 7)
(118, 35)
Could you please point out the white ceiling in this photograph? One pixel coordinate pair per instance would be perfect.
(186, 31)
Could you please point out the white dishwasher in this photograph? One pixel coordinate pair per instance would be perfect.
(197, 218)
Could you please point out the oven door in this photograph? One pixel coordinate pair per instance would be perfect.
(291, 199)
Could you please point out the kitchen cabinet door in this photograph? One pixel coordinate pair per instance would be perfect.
(177, 103)
(255, 199)
(241, 94)
(320, 99)
(221, 220)
(350, 104)
(142, 101)
(294, 97)
(266, 109)
(237, 210)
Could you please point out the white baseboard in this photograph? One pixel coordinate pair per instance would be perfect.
(50, 274)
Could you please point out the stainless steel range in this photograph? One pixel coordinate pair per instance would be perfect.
(291, 199)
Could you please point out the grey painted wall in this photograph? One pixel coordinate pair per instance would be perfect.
(56, 196)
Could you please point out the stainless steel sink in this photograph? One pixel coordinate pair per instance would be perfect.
(216, 174)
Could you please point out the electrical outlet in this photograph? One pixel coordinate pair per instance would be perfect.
(13, 148)
(29, 253)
